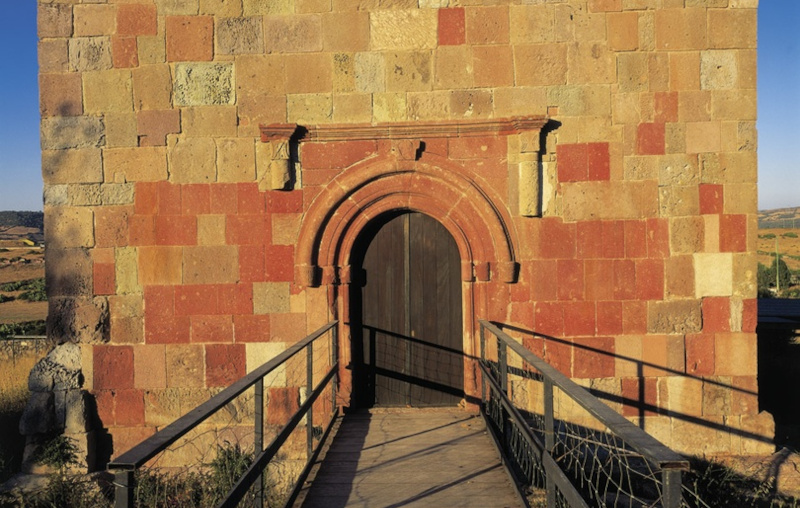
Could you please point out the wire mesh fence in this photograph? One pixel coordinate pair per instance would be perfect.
(248, 445)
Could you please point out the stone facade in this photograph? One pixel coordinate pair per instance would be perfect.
(182, 237)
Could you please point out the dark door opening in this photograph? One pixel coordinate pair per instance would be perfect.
(406, 321)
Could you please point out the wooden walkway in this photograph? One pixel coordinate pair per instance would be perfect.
(410, 457)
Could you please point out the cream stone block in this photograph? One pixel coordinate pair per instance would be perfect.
(262, 73)
(640, 168)
(745, 275)
(519, 100)
(69, 227)
(211, 230)
(310, 108)
(428, 105)
(678, 170)
(72, 166)
(354, 38)
(718, 70)
(590, 62)
(403, 29)
(235, 160)
(126, 270)
(271, 297)
(89, 54)
(713, 274)
(686, 234)
(344, 72)
(107, 91)
(185, 366)
(211, 264)
(94, 20)
(352, 108)
(540, 64)
(574, 100)
(140, 164)
(408, 71)
(632, 72)
(740, 198)
(257, 354)
(389, 107)
(258, 7)
(121, 130)
(150, 366)
(734, 105)
(370, 72)
(589, 200)
(285, 229)
(193, 160)
(683, 395)
(309, 73)
(222, 8)
(703, 137)
(209, 121)
(732, 28)
(204, 84)
(711, 233)
(453, 68)
(531, 24)
(736, 354)
(628, 355)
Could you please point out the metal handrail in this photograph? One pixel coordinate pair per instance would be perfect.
(671, 463)
(128, 462)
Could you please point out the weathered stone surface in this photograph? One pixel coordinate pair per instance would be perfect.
(72, 166)
(718, 70)
(69, 227)
(78, 319)
(145, 164)
(193, 160)
(370, 72)
(235, 160)
(90, 54)
(120, 129)
(76, 411)
(413, 70)
(69, 272)
(309, 108)
(211, 264)
(676, 317)
(55, 20)
(257, 7)
(293, 34)
(540, 64)
(39, 414)
(185, 366)
(235, 36)
(713, 274)
(204, 84)
(63, 132)
(403, 29)
(190, 38)
(389, 107)
(108, 91)
(270, 297)
(152, 87)
(53, 55)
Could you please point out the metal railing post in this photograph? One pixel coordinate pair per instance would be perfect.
(483, 360)
(123, 492)
(334, 358)
(258, 487)
(309, 389)
(672, 480)
(502, 353)
(549, 437)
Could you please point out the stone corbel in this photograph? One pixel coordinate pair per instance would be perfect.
(279, 137)
(530, 183)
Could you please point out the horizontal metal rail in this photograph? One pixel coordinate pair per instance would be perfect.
(639, 440)
(156, 443)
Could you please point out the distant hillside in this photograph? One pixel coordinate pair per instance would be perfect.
(780, 218)
(12, 219)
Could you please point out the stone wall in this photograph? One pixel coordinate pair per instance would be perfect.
(173, 243)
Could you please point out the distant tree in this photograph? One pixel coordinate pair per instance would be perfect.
(766, 276)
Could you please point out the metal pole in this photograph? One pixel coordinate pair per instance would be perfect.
(503, 357)
(483, 360)
(123, 492)
(309, 389)
(672, 488)
(258, 487)
(549, 437)
(334, 358)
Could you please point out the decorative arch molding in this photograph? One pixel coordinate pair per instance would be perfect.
(406, 177)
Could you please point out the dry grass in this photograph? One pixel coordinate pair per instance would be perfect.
(789, 247)
(13, 397)
(18, 311)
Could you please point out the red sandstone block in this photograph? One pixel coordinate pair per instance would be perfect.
(624, 279)
(609, 318)
(579, 318)
(224, 198)
(169, 198)
(558, 353)
(640, 396)
(599, 279)
(711, 198)
(335, 154)
(251, 263)
(649, 279)
(651, 139)
(169, 330)
(665, 107)
(599, 161)
(716, 314)
(700, 354)
(658, 238)
(247, 229)
(196, 300)
(211, 329)
(589, 239)
(285, 202)
(196, 199)
(573, 162)
(452, 26)
(282, 404)
(249, 199)
(318, 177)
(111, 226)
(544, 280)
(251, 328)
(570, 279)
(478, 147)
(124, 52)
(176, 230)
(635, 239)
(190, 38)
(225, 363)
(522, 315)
(593, 357)
(613, 239)
(521, 291)
(634, 317)
(535, 345)
(104, 401)
(733, 233)
(749, 315)
(104, 279)
(113, 367)
(137, 19)
(549, 318)
(279, 263)
(235, 299)
(556, 239)
(145, 200)
(159, 301)
(141, 230)
(129, 407)
(152, 126)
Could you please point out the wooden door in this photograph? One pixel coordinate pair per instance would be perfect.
(406, 309)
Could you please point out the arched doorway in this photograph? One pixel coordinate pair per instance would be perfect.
(406, 314)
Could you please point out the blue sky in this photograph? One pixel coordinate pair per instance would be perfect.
(778, 104)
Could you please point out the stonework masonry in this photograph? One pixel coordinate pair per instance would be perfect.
(185, 246)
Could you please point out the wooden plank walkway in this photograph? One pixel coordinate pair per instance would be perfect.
(413, 458)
